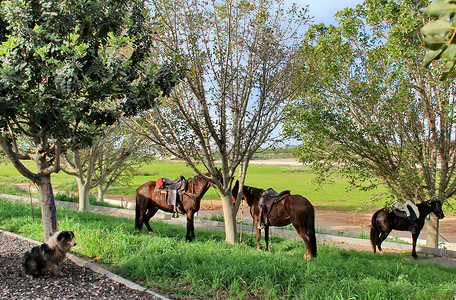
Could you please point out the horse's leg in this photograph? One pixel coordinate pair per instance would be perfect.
(383, 236)
(258, 234)
(266, 237)
(307, 240)
(374, 234)
(140, 210)
(190, 226)
(138, 215)
(151, 210)
(414, 239)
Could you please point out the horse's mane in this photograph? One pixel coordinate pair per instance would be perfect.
(253, 190)
(252, 193)
(198, 181)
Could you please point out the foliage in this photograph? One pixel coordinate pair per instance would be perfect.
(373, 114)
(65, 66)
(439, 34)
(208, 267)
(68, 69)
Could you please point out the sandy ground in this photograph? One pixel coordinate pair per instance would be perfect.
(344, 221)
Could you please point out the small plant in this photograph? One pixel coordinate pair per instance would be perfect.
(218, 218)
(66, 197)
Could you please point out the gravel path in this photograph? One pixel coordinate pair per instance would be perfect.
(77, 283)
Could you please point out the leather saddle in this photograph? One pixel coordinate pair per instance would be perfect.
(400, 213)
(267, 199)
(170, 191)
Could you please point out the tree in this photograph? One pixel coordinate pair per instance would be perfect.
(112, 155)
(240, 73)
(68, 70)
(373, 111)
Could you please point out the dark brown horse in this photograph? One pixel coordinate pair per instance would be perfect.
(147, 203)
(384, 221)
(294, 209)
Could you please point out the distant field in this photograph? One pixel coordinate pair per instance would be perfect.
(298, 179)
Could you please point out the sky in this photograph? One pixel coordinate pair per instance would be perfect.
(324, 10)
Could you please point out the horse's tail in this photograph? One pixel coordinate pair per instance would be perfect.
(310, 228)
(138, 214)
(374, 232)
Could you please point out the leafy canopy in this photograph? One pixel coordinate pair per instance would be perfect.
(70, 67)
(439, 34)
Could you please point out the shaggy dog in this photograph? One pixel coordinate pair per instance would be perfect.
(48, 256)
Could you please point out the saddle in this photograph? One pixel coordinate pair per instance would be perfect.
(267, 199)
(400, 213)
(170, 190)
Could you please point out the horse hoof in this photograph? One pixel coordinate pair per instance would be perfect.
(151, 232)
(307, 257)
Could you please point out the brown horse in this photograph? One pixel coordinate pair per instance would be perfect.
(384, 221)
(294, 209)
(147, 203)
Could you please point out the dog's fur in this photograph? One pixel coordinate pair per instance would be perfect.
(48, 256)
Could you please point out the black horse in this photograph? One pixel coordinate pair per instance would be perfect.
(383, 221)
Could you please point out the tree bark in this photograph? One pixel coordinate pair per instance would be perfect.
(432, 229)
(48, 213)
(83, 191)
(100, 193)
(230, 219)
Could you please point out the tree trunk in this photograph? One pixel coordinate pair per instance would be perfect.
(48, 213)
(432, 228)
(83, 192)
(100, 193)
(230, 219)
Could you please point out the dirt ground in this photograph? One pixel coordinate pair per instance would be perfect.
(344, 221)
(341, 221)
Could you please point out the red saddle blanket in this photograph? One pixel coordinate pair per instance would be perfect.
(159, 183)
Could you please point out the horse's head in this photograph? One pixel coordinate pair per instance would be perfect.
(234, 191)
(437, 209)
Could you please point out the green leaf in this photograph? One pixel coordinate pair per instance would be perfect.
(431, 56)
(449, 67)
(450, 52)
(441, 9)
(439, 28)
(434, 43)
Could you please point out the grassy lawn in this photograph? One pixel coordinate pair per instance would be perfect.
(210, 268)
(298, 179)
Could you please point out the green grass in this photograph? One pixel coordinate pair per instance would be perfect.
(298, 179)
(209, 267)
(10, 189)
